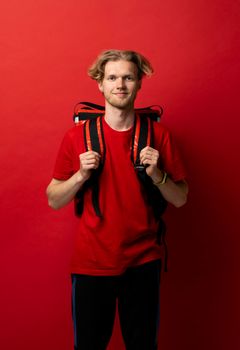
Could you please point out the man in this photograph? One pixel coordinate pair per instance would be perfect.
(117, 256)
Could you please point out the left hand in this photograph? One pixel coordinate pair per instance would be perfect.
(149, 156)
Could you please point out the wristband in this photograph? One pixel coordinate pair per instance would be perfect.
(163, 180)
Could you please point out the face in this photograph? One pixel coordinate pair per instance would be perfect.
(120, 84)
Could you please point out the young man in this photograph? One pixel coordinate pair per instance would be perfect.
(117, 256)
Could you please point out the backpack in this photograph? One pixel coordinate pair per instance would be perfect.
(90, 115)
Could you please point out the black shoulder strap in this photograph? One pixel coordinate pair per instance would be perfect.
(94, 141)
(142, 136)
(93, 136)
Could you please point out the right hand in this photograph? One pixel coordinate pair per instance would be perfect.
(89, 161)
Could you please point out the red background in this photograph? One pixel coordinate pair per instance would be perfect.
(46, 48)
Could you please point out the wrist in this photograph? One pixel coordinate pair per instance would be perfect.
(162, 178)
(81, 177)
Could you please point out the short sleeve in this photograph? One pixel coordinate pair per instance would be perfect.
(170, 160)
(64, 169)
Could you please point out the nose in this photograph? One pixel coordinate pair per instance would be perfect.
(120, 83)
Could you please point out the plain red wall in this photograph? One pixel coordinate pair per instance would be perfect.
(46, 48)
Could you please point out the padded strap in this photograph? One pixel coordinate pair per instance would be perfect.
(142, 137)
(94, 141)
(93, 136)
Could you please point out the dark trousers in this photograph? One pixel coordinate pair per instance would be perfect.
(94, 306)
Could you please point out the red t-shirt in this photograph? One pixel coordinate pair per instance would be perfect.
(126, 236)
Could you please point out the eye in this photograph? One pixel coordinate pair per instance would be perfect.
(112, 77)
(129, 78)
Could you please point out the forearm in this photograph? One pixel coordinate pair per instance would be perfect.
(174, 192)
(60, 193)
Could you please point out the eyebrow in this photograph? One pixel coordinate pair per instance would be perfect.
(123, 76)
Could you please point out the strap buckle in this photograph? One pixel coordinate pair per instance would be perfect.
(139, 167)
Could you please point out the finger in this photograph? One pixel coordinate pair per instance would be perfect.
(150, 151)
(149, 158)
(89, 156)
(87, 167)
(149, 162)
(91, 161)
(91, 152)
(90, 166)
(147, 148)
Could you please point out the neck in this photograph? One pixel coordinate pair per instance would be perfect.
(119, 119)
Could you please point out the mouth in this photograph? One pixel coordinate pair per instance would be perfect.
(121, 94)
